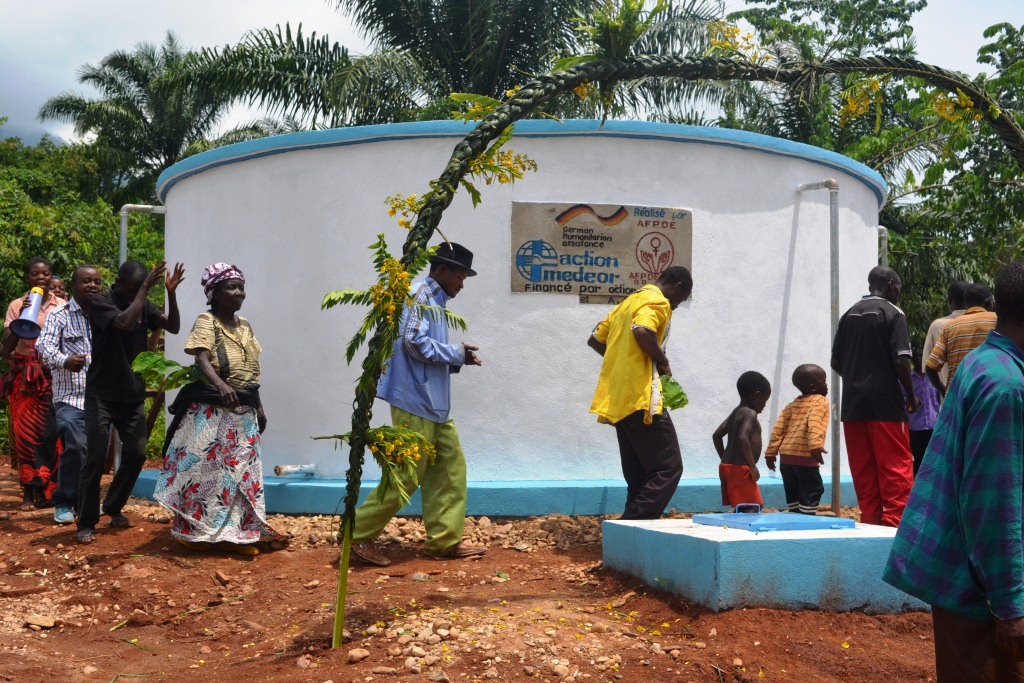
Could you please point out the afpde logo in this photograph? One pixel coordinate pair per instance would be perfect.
(654, 253)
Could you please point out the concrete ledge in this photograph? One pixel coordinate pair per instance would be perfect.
(722, 568)
(293, 495)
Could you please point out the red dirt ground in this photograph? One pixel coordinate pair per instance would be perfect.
(136, 605)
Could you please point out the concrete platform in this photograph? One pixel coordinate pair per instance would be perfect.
(297, 495)
(723, 568)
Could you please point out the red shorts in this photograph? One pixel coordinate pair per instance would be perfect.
(738, 486)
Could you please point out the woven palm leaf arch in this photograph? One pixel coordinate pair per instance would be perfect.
(543, 89)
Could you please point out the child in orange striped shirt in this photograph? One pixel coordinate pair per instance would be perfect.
(799, 438)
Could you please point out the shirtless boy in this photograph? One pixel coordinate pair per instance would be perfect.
(738, 469)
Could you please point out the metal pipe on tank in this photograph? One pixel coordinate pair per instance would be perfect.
(883, 245)
(122, 249)
(832, 186)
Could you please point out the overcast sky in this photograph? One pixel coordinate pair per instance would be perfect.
(44, 42)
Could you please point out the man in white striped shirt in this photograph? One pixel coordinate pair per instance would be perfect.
(65, 345)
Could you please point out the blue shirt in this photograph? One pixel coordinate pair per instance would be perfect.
(66, 333)
(418, 378)
(959, 545)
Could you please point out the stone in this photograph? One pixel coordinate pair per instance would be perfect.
(384, 670)
(438, 676)
(312, 584)
(39, 621)
(417, 651)
(357, 655)
(737, 662)
(623, 599)
(303, 662)
(221, 578)
(205, 650)
(491, 673)
(561, 671)
(395, 650)
(140, 618)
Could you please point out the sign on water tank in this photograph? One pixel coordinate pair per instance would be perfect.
(600, 253)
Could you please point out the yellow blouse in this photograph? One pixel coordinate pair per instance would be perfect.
(234, 352)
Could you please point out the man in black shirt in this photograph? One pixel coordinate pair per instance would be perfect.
(121, 319)
(871, 352)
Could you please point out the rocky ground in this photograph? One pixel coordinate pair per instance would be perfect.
(539, 605)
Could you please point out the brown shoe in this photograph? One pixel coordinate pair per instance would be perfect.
(367, 553)
(459, 552)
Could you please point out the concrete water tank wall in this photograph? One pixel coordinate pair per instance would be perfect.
(296, 213)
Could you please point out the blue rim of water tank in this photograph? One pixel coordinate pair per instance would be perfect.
(533, 128)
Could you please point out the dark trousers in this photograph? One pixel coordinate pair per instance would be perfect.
(129, 419)
(965, 651)
(71, 430)
(919, 440)
(804, 488)
(651, 464)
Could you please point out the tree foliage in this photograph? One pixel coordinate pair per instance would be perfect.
(50, 206)
(955, 190)
(145, 119)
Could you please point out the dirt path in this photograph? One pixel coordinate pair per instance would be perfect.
(537, 606)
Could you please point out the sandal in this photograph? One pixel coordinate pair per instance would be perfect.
(86, 536)
(239, 548)
(367, 553)
(119, 521)
(194, 545)
(459, 552)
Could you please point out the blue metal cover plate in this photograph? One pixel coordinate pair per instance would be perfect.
(772, 521)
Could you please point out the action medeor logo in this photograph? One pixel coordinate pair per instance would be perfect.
(533, 257)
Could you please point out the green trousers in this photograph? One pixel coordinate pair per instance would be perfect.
(443, 483)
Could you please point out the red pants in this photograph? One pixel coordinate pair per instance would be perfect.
(738, 486)
(882, 467)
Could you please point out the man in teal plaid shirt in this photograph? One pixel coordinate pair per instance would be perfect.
(959, 546)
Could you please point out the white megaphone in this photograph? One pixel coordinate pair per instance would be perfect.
(26, 326)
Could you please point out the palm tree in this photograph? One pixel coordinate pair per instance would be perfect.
(424, 50)
(144, 121)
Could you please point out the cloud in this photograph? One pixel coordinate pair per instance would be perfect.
(43, 43)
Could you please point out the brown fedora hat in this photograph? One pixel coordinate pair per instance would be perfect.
(456, 255)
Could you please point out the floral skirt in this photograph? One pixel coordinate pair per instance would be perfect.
(34, 428)
(212, 477)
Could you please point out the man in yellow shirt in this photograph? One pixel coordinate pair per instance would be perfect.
(632, 341)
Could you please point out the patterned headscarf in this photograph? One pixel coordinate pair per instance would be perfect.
(217, 273)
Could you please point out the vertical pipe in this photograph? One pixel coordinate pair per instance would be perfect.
(833, 220)
(122, 246)
(883, 246)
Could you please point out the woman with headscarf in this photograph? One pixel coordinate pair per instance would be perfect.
(212, 473)
(28, 390)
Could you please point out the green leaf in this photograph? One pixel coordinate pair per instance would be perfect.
(672, 394)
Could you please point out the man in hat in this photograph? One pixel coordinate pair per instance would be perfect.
(423, 405)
